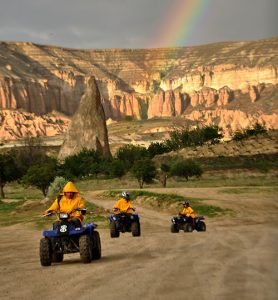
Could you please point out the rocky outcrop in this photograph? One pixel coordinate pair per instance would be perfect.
(19, 124)
(88, 127)
(143, 83)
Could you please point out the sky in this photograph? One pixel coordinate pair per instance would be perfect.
(91, 24)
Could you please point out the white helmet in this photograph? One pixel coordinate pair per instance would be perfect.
(126, 195)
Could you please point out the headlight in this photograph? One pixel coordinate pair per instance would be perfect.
(63, 216)
(131, 217)
(114, 218)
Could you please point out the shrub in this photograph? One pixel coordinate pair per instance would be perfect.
(186, 168)
(56, 186)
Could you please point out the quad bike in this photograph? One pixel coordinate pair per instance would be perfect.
(124, 222)
(187, 224)
(65, 238)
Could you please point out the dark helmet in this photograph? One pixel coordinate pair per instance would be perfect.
(126, 195)
(185, 203)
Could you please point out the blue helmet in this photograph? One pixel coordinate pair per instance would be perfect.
(126, 195)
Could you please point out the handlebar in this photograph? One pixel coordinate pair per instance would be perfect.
(52, 212)
(123, 211)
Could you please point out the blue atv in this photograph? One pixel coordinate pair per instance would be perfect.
(66, 238)
(187, 224)
(124, 222)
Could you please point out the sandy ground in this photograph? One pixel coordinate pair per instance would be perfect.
(236, 258)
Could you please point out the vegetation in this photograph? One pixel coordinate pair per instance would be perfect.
(32, 167)
(8, 171)
(186, 168)
(144, 170)
(56, 187)
(249, 132)
(41, 175)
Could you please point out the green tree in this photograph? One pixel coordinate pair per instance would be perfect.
(212, 134)
(186, 168)
(84, 163)
(41, 175)
(156, 148)
(144, 170)
(129, 154)
(8, 171)
(30, 154)
(117, 168)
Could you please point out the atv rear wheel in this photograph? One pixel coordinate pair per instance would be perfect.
(174, 228)
(85, 249)
(96, 247)
(135, 229)
(45, 252)
(57, 257)
(114, 232)
(201, 226)
(188, 227)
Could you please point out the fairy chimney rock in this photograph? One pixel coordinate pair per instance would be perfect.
(88, 127)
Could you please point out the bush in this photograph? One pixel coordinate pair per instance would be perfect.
(186, 168)
(249, 132)
(56, 186)
(129, 154)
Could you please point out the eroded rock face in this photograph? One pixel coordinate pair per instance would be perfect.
(239, 76)
(88, 127)
(18, 124)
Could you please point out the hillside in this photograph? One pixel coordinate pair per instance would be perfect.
(231, 84)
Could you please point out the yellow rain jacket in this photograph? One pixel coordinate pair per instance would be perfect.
(67, 205)
(123, 206)
(189, 212)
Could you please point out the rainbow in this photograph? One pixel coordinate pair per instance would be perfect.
(179, 23)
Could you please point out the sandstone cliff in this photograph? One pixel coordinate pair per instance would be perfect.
(231, 77)
(88, 128)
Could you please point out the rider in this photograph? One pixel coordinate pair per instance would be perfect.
(67, 202)
(188, 212)
(123, 204)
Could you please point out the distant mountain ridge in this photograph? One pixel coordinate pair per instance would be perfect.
(231, 84)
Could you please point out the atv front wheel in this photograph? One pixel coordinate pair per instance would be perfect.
(135, 229)
(45, 252)
(174, 228)
(188, 227)
(85, 249)
(96, 247)
(114, 232)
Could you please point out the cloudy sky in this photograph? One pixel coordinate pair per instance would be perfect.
(136, 23)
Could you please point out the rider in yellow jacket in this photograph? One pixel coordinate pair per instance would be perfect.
(123, 204)
(188, 211)
(69, 201)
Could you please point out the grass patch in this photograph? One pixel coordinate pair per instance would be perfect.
(251, 190)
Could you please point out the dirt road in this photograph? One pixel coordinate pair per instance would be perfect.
(235, 259)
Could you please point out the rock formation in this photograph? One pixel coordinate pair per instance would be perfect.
(88, 127)
(144, 83)
(17, 124)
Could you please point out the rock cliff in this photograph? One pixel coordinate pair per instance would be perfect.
(235, 80)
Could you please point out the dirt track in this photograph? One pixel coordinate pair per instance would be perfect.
(235, 259)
